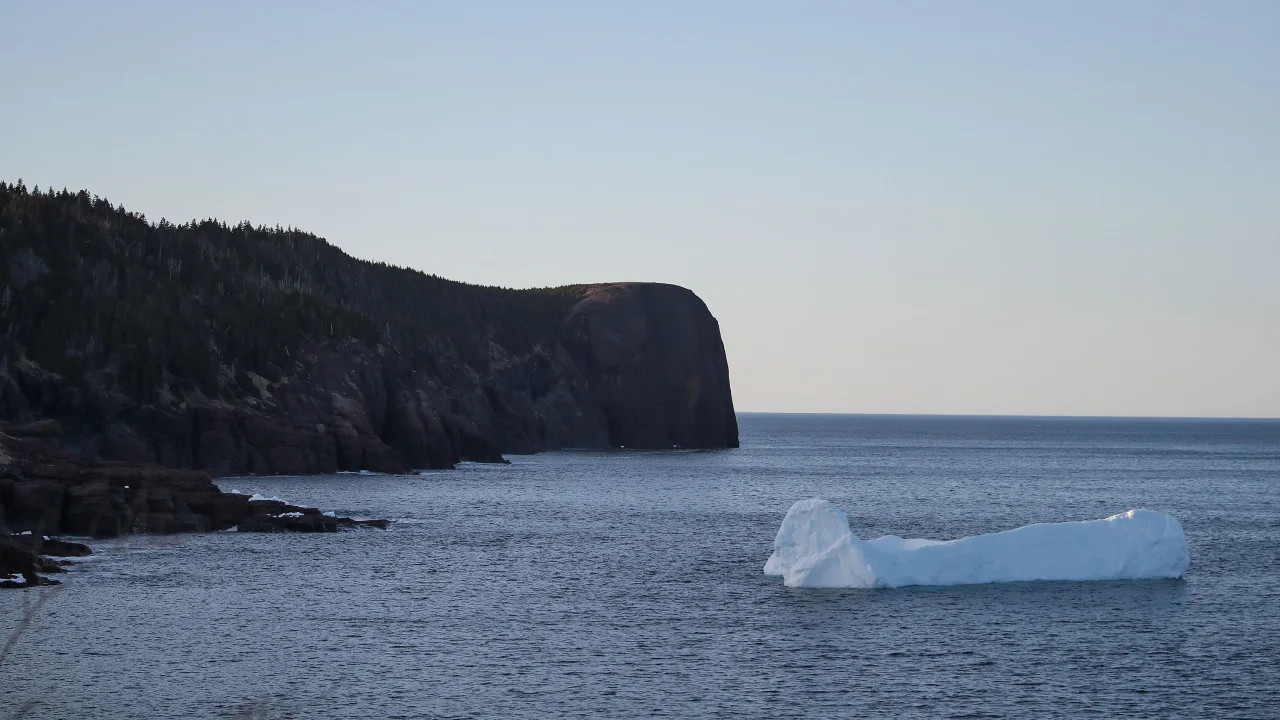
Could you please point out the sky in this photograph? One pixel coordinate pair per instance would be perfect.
(1055, 208)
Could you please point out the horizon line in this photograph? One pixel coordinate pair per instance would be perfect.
(1013, 416)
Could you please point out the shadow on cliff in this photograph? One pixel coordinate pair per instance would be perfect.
(243, 349)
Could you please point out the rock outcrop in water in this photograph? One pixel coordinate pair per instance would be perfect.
(44, 492)
(254, 350)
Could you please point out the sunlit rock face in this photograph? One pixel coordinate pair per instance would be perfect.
(654, 365)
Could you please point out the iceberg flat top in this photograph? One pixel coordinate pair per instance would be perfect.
(815, 548)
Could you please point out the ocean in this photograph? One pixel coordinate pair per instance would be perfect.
(630, 584)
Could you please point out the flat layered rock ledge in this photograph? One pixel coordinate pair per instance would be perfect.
(45, 494)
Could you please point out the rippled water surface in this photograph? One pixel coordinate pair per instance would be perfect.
(623, 583)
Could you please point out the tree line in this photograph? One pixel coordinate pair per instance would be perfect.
(156, 310)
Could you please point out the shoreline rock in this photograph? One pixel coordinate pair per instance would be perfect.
(21, 566)
(44, 494)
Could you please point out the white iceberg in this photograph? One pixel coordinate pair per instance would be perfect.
(815, 548)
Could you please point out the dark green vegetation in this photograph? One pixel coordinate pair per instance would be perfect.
(154, 310)
(253, 349)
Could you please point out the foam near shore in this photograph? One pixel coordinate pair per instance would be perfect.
(815, 548)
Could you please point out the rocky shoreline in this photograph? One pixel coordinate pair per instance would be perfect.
(142, 359)
(45, 494)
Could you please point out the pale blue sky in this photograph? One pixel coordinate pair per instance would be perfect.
(956, 207)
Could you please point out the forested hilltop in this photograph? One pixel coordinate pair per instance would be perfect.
(250, 349)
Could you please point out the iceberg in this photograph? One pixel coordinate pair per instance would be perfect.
(815, 548)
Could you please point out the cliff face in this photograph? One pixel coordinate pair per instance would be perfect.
(248, 350)
(654, 365)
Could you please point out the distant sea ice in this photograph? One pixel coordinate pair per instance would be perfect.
(815, 548)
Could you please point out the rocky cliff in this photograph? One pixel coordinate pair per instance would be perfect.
(654, 366)
(256, 350)
(44, 492)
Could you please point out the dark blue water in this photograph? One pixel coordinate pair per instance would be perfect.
(611, 584)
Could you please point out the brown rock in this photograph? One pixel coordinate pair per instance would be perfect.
(17, 559)
(654, 361)
(45, 432)
(95, 510)
(34, 505)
